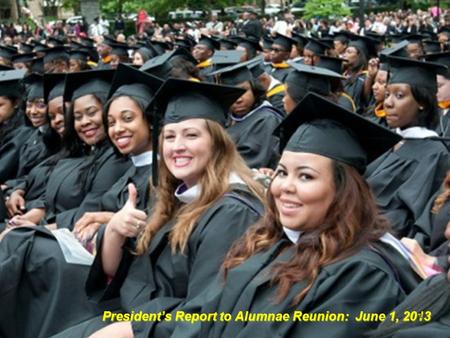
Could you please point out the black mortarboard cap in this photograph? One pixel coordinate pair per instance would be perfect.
(249, 42)
(26, 48)
(415, 38)
(441, 58)
(228, 44)
(10, 83)
(160, 65)
(303, 79)
(209, 42)
(23, 58)
(331, 63)
(35, 87)
(182, 99)
(53, 85)
(118, 48)
(365, 45)
(55, 53)
(56, 41)
(161, 46)
(300, 39)
(225, 58)
(39, 47)
(414, 72)
(96, 82)
(129, 81)
(79, 54)
(233, 75)
(107, 39)
(396, 50)
(37, 65)
(185, 42)
(316, 46)
(320, 126)
(267, 42)
(431, 46)
(374, 35)
(285, 41)
(7, 52)
(256, 66)
(341, 36)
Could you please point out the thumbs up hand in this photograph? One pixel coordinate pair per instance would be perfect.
(128, 221)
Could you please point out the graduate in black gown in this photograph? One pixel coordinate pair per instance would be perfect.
(375, 111)
(358, 83)
(317, 250)
(181, 248)
(406, 177)
(252, 118)
(203, 52)
(34, 149)
(280, 51)
(13, 131)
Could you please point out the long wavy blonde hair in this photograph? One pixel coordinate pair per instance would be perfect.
(224, 160)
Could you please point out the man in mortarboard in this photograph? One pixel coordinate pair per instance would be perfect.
(280, 52)
(103, 50)
(203, 52)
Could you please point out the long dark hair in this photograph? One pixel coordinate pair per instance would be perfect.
(351, 222)
(428, 117)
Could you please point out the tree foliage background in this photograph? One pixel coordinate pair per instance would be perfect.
(325, 8)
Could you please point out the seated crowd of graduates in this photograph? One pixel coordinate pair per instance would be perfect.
(225, 175)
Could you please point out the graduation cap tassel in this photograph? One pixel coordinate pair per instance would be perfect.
(155, 139)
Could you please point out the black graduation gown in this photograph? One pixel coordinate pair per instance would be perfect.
(355, 88)
(32, 152)
(280, 73)
(404, 180)
(361, 282)
(253, 136)
(36, 263)
(10, 145)
(421, 327)
(66, 201)
(162, 281)
(116, 197)
(34, 278)
(429, 228)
